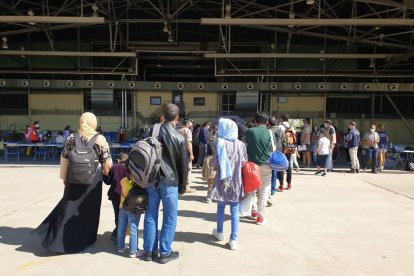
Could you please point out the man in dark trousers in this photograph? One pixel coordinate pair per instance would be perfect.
(172, 181)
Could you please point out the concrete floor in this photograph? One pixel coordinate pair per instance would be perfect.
(341, 224)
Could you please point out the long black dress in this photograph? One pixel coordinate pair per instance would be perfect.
(73, 223)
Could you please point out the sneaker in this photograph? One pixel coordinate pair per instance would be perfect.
(208, 200)
(273, 192)
(289, 186)
(140, 253)
(280, 189)
(269, 204)
(357, 170)
(324, 174)
(318, 172)
(189, 190)
(168, 258)
(149, 256)
(122, 250)
(218, 236)
(261, 220)
(233, 245)
(254, 215)
(374, 171)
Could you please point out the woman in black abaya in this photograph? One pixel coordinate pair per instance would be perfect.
(73, 223)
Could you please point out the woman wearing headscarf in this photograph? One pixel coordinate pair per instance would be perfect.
(228, 160)
(73, 223)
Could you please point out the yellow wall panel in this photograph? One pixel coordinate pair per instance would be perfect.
(51, 101)
(210, 102)
(143, 101)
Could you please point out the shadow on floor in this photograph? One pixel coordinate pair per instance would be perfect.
(192, 237)
(30, 243)
(188, 197)
(200, 215)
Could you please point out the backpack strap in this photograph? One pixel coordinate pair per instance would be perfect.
(92, 141)
(156, 130)
(77, 141)
(272, 139)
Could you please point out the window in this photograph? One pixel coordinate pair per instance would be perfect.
(155, 100)
(199, 101)
(228, 103)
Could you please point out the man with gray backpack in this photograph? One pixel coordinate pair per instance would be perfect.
(164, 184)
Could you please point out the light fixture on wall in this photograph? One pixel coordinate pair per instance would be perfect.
(200, 86)
(180, 85)
(310, 2)
(298, 85)
(3, 82)
(69, 83)
(225, 86)
(25, 82)
(131, 84)
(111, 84)
(95, 9)
(31, 13)
(273, 85)
(5, 45)
(157, 85)
(228, 11)
(250, 85)
(90, 83)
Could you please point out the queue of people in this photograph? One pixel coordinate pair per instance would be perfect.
(73, 223)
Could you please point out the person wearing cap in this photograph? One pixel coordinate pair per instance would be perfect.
(353, 140)
(331, 135)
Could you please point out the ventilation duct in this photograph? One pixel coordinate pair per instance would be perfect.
(102, 98)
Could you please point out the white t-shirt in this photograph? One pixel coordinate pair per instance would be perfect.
(324, 145)
(286, 125)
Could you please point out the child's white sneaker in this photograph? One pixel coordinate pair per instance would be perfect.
(233, 245)
(218, 236)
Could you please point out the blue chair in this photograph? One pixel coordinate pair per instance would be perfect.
(12, 149)
(40, 150)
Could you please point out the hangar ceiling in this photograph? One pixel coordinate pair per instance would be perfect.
(209, 41)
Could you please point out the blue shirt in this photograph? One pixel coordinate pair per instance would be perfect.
(383, 139)
(353, 138)
(203, 136)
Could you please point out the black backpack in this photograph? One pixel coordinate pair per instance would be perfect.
(137, 200)
(84, 167)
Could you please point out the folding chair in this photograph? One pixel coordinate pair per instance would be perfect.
(395, 157)
(12, 149)
(57, 151)
(115, 148)
(40, 150)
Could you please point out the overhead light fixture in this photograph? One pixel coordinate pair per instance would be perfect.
(166, 27)
(170, 37)
(31, 13)
(322, 52)
(95, 9)
(4, 45)
(372, 63)
(310, 2)
(22, 49)
(291, 16)
(228, 11)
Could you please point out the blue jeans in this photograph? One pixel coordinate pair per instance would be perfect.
(274, 178)
(169, 196)
(234, 210)
(371, 153)
(126, 218)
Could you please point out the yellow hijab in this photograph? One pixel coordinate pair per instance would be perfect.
(87, 129)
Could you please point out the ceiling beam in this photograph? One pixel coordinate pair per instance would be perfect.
(389, 3)
(52, 19)
(294, 56)
(308, 22)
(66, 53)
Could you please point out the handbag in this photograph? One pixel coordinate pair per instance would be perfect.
(251, 176)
